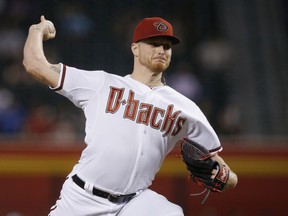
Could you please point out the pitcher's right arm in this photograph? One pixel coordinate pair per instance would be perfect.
(35, 61)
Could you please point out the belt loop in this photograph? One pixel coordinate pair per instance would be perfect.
(88, 187)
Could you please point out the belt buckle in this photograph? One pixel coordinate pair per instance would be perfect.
(115, 198)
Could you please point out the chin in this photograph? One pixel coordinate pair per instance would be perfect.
(159, 67)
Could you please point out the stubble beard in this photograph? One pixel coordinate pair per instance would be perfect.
(157, 67)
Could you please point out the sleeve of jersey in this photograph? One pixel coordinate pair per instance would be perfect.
(79, 85)
(202, 132)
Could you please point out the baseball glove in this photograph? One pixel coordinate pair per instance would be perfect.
(200, 164)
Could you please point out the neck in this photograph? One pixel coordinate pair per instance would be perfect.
(148, 78)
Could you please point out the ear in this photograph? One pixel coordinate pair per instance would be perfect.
(135, 49)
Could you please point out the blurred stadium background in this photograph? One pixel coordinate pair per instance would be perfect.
(232, 62)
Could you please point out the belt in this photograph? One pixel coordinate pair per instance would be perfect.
(111, 197)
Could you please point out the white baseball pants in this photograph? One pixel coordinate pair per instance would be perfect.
(74, 201)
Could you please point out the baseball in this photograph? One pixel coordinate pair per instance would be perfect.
(51, 27)
(51, 31)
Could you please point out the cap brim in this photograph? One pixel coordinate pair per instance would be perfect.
(175, 40)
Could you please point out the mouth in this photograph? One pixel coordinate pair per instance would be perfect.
(159, 59)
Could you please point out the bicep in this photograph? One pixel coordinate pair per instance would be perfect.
(54, 75)
(47, 74)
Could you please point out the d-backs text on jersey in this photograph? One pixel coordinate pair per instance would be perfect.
(165, 120)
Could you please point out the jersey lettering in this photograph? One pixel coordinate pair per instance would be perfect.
(154, 123)
(165, 120)
(169, 120)
(144, 113)
(131, 107)
(179, 124)
(114, 102)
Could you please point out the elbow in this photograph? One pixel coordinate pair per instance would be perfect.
(33, 69)
(26, 65)
(39, 71)
(30, 68)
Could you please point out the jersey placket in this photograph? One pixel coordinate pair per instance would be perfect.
(147, 97)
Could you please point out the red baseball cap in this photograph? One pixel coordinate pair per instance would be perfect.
(153, 27)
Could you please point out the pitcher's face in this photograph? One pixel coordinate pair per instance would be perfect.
(155, 53)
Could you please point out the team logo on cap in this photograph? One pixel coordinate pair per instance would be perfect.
(160, 26)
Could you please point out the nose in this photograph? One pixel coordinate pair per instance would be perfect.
(160, 49)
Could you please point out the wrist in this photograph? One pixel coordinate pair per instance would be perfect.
(232, 181)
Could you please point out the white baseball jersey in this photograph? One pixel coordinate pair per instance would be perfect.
(130, 127)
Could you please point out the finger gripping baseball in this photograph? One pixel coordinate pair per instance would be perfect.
(200, 165)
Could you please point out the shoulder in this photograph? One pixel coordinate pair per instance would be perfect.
(72, 78)
(72, 70)
(176, 97)
(89, 75)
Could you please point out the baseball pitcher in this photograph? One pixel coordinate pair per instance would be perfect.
(132, 123)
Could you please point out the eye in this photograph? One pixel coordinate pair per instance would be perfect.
(156, 44)
(166, 46)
